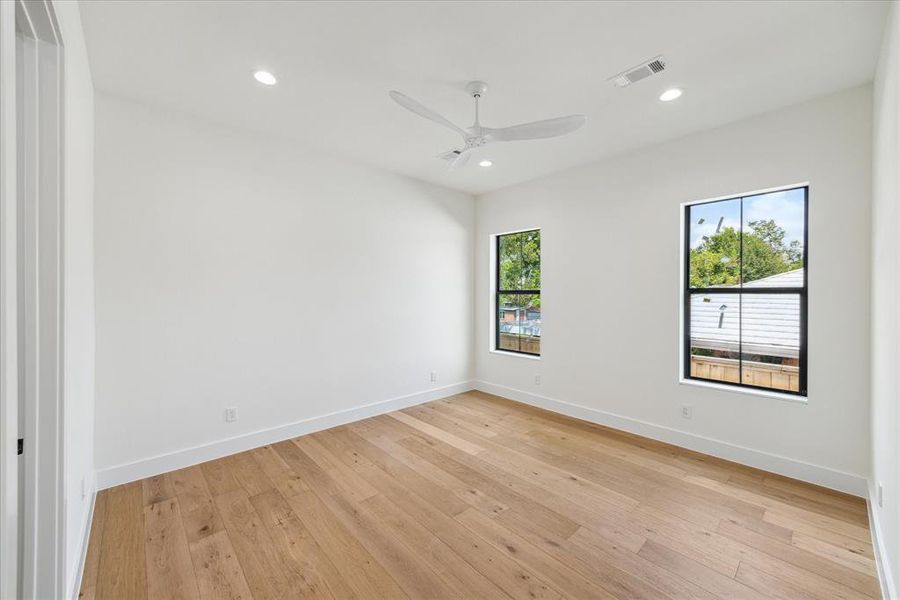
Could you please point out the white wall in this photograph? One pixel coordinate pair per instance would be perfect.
(241, 271)
(78, 291)
(886, 298)
(610, 265)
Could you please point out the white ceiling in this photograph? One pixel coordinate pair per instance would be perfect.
(336, 61)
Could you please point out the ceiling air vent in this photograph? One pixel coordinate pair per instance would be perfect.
(642, 71)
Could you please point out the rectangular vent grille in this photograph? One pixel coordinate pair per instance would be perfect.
(657, 65)
(641, 71)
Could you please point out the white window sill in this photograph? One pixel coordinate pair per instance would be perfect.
(744, 390)
(516, 354)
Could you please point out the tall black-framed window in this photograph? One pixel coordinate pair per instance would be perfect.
(745, 291)
(518, 292)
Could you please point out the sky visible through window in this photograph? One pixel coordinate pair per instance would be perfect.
(785, 208)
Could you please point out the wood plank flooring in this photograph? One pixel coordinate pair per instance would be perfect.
(475, 496)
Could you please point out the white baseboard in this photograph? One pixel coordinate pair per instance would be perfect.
(882, 564)
(186, 457)
(85, 538)
(789, 467)
(819, 475)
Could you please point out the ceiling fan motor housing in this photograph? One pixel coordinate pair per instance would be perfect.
(476, 88)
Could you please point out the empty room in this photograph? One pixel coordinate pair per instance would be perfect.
(449, 299)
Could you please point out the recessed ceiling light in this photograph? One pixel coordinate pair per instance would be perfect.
(671, 94)
(485, 163)
(265, 78)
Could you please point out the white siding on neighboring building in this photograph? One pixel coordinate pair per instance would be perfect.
(771, 322)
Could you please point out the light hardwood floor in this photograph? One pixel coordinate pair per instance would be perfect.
(476, 496)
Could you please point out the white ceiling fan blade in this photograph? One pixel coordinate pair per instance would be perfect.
(423, 111)
(536, 130)
(460, 161)
(449, 155)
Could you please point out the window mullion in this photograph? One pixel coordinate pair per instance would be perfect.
(741, 301)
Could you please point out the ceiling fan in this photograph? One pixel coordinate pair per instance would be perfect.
(477, 135)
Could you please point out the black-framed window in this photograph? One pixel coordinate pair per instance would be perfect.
(745, 290)
(518, 292)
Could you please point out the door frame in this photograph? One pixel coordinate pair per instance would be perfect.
(9, 395)
(31, 291)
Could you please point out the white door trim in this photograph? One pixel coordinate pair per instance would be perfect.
(33, 295)
(9, 402)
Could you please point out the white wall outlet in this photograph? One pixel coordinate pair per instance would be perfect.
(434, 377)
(879, 493)
(687, 411)
(537, 380)
(83, 488)
(230, 415)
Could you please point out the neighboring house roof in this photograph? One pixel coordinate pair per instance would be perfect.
(790, 279)
(771, 321)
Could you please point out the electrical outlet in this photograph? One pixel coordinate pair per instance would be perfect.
(83, 487)
(434, 377)
(880, 494)
(687, 411)
(537, 380)
(230, 415)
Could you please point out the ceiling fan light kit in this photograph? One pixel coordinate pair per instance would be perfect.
(477, 135)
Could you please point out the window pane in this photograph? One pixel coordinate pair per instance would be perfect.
(508, 322)
(715, 245)
(510, 262)
(715, 337)
(520, 261)
(519, 322)
(770, 341)
(773, 236)
(530, 324)
(531, 259)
